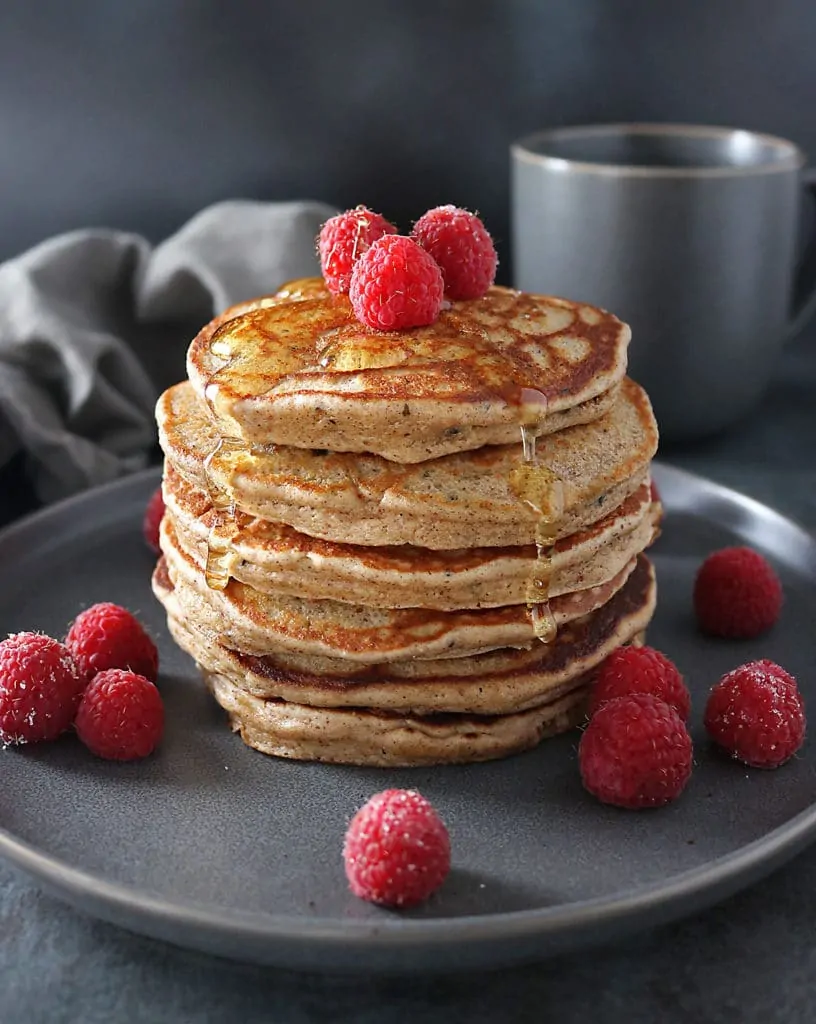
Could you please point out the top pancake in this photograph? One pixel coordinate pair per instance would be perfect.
(299, 369)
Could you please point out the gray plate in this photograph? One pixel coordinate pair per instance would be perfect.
(213, 846)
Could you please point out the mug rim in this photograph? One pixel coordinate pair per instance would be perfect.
(525, 149)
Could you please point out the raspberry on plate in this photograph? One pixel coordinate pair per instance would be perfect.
(635, 753)
(40, 688)
(120, 716)
(154, 513)
(108, 636)
(343, 240)
(737, 594)
(463, 248)
(397, 849)
(396, 285)
(640, 670)
(756, 714)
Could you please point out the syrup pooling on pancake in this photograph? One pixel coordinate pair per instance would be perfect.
(299, 369)
(544, 491)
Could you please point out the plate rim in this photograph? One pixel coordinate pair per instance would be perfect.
(380, 939)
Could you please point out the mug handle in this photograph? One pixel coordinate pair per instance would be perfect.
(806, 303)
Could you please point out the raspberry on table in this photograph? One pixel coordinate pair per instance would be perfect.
(396, 850)
(737, 594)
(635, 753)
(463, 248)
(396, 285)
(640, 670)
(108, 636)
(757, 715)
(40, 688)
(120, 716)
(343, 240)
(154, 513)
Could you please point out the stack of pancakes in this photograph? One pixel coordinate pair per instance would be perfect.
(411, 547)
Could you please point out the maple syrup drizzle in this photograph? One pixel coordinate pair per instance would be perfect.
(543, 490)
(221, 555)
(221, 348)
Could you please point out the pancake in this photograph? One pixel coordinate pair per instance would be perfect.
(461, 500)
(262, 623)
(304, 372)
(501, 682)
(274, 558)
(378, 739)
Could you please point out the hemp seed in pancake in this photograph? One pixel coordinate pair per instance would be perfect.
(304, 372)
(461, 500)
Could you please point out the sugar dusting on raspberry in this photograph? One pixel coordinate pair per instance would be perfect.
(461, 245)
(396, 850)
(640, 670)
(40, 688)
(343, 240)
(396, 285)
(757, 715)
(108, 636)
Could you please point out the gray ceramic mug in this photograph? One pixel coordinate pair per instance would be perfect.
(686, 232)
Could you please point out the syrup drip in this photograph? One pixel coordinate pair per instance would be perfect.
(222, 349)
(543, 490)
(221, 555)
(220, 552)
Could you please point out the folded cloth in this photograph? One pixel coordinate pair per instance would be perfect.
(94, 324)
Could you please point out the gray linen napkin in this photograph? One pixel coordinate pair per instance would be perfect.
(94, 324)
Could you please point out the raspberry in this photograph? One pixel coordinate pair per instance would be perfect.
(462, 247)
(777, 670)
(40, 688)
(120, 716)
(757, 714)
(640, 670)
(397, 849)
(153, 516)
(736, 594)
(342, 241)
(635, 752)
(106, 636)
(654, 493)
(396, 285)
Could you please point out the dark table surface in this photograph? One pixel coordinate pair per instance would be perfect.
(750, 959)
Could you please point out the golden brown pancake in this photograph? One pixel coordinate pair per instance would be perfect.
(366, 532)
(272, 557)
(376, 738)
(301, 370)
(500, 682)
(253, 622)
(462, 500)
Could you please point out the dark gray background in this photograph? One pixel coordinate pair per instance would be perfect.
(136, 113)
